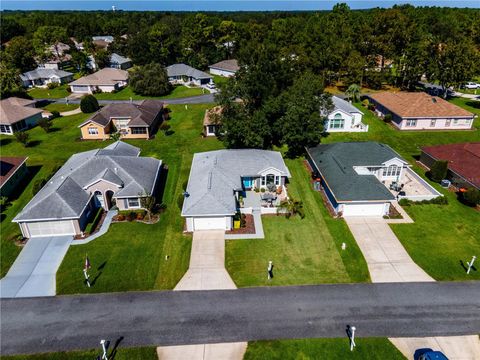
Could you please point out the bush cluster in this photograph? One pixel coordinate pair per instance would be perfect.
(89, 104)
(440, 200)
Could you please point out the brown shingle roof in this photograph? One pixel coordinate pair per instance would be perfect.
(418, 104)
(463, 159)
(227, 65)
(15, 109)
(142, 114)
(107, 76)
(208, 119)
(8, 167)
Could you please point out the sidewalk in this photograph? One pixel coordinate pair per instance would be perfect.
(206, 272)
(388, 261)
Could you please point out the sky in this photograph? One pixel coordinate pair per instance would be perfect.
(218, 5)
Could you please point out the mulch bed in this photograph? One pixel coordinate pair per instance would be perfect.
(99, 225)
(248, 229)
(393, 213)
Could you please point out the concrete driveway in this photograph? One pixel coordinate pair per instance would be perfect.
(206, 272)
(34, 271)
(388, 261)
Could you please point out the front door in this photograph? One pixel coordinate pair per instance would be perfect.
(247, 183)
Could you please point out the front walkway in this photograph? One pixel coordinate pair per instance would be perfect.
(34, 271)
(206, 272)
(103, 229)
(388, 261)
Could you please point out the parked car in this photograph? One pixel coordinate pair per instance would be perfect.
(211, 86)
(472, 85)
(433, 355)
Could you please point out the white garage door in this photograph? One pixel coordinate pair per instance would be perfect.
(363, 209)
(211, 223)
(80, 88)
(47, 228)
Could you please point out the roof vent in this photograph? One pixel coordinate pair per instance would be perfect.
(115, 169)
(434, 100)
(209, 184)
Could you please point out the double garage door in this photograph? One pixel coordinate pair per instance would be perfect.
(364, 209)
(49, 228)
(209, 223)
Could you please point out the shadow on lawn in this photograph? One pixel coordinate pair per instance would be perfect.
(465, 267)
(99, 273)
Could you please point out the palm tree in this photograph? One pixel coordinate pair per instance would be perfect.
(291, 208)
(353, 92)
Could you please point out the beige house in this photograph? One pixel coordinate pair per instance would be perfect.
(18, 114)
(130, 120)
(104, 80)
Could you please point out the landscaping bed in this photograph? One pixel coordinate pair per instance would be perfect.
(248, 228)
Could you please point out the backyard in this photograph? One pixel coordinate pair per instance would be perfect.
(126, 93)
(46, 93)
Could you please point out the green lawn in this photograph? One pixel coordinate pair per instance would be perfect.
(143, 353)
(304, 251)
(45, 93)
(306, 349)
(218, 80)
(61, 107)
(179, 91)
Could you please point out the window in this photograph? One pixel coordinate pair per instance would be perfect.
(432, 123)
(92, 131)
(277, 180)
(5, 129)
(448, 122)
(133, 203)
(411, 123)
(139, 130)
(337, 122)
(455, 121)
(392, 170)
(263, 180)
(211, 129)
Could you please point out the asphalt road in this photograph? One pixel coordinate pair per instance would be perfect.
(200, 99)
(35, 325)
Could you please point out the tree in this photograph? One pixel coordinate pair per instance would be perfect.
(80, 61)
(22, 137)
(89, 104)
(102, 58)
(150, 80)
(45, 124)
(353, 92)
(291, 208)
(438, 171)
(10, 84)
(20, 54)
(46, 36)
(148, 202)
(472, 197)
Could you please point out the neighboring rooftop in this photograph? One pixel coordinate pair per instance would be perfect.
(142, 114)
(227, 65)
(215, 175)
(42, 73)
(211, 114)
(106, 38)
(106, 76)
(463, 159)
(14, 109)
(119, 59)
(336, 163)
(8, 167)
(185, 70)
(418, 104)
(65, 195)
(340, 104)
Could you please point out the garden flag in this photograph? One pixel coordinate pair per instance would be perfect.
(87, 263)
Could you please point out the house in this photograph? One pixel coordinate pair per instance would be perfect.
(225, 68)
(420, 111)
(363, 178)
(78, 45)
(463, 162)
(42, 76)
(218, 179)
(102, 41)
(344, 118)
(184, 74)
(132, 121)
(211, 123)
(104, 80)
(59, 49)
(18, 114)
(12, 171)
(115, 175)
(55, 62)
(120, 62)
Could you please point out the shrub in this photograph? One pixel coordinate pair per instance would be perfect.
(53, 85)
(132, 215)
(89, 104)
(55, 114)
(438, 171)
(164, 127)
(366, 103)
(243, 220)
(93, 225)
(180, 202)
(471, 197)
(69, 89)
(120, 217)
(371, 107)
(404, 202)
(440, 200)
(140, 215)
(22, 137)
(37, 185)
(4, 201)
(262, 190)
(45, 124)
(387, 118)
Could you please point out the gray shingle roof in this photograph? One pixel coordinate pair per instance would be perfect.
(336, 161)
(215, 175)
(185, 70)
(118, 59)
(41, 73)
(340, 104)
(64, 196)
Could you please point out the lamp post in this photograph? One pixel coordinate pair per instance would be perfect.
(470, 264)
(352, 337)
(269, 270)
(104, 349)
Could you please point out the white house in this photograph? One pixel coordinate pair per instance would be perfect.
(344, 118)
(18, 114)
(226, 68)
(184, 74)
(363, 178)
(105, 80)
(42, 76)
(217, 178)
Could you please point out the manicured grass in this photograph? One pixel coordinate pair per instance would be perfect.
(45, 93)
(304, 251)
(61, 107)
(441, 236)
(127, 93)
(305, 349)
(218, 80)
(143, 353)
(470, 105)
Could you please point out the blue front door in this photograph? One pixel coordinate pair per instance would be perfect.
(247, 182)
